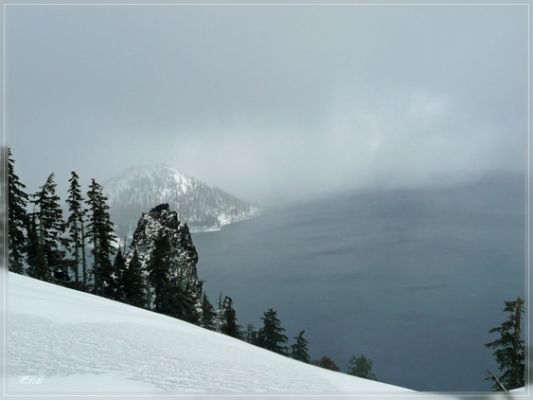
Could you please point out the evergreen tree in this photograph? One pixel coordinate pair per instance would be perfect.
(37, 266)
(132, 282)
(17, 218)
(208, 314)
(51, 227)
(229, 319)
(300, 350)
(75, 226)
(187, 304)
(361, 367)
(119, 272)
(178, 302)
(102, 236)
(509, 349)
(271, 336)
(250, 335)
(158, 273)
(170, 296)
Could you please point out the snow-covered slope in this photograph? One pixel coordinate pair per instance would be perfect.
(73, 342)
(201, 206)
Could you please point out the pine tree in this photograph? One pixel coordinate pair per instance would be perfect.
(509, 349)
(51, 227)
(119, 271)
(17, 218)
(75, 226)
(186, 301)
(271, 336)
(171, 296)
(102, 236)
(300, 349)
(250, 335)
(208, 314)
(178, 302)
(229, 319)
(158, 273)
(361, 367)
(37, 266)
(133, 283)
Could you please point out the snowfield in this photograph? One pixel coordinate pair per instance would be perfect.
(61, 341)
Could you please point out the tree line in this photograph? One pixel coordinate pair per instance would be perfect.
(43, 245)
(46, 246)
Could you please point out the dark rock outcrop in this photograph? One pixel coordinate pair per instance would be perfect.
(163, 222)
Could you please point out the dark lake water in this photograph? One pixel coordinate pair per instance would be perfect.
(412, 279)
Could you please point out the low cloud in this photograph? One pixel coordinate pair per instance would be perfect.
(269, 103)
(424, 140)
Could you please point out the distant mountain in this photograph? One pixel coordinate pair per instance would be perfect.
(201, 206)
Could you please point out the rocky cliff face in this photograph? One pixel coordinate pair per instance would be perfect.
(163, 222)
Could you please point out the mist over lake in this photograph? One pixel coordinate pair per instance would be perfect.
(413, 279)
(384, 145)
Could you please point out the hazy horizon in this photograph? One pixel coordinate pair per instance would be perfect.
(386, 147)
(269, 103)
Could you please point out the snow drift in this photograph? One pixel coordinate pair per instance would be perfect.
(61, 341)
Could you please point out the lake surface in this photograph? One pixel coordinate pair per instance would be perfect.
(413, 279)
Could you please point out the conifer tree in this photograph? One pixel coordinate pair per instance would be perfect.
(100, 232)
(300, 349)
(17, 218)
(75, 226)
(186, 300)
(271, 336)
(37, 266)
(170, 296)
(208, 314)
(158, 273)
(229, 319)
(178, 302)
(361, 367)
(250, 335)
(509, 349)
(51, 227)
(117, 291)
(133, 283)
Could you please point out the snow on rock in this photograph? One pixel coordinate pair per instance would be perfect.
(74, 342)
(160, 221)
(202, 207)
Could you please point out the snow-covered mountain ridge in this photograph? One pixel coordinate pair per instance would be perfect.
(201, 206)
(73, 342)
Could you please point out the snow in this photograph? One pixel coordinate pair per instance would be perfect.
(106, 383)
(61, 341)
(184, 182)
(201, 206)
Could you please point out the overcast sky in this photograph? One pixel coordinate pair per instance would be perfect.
(269, 103)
